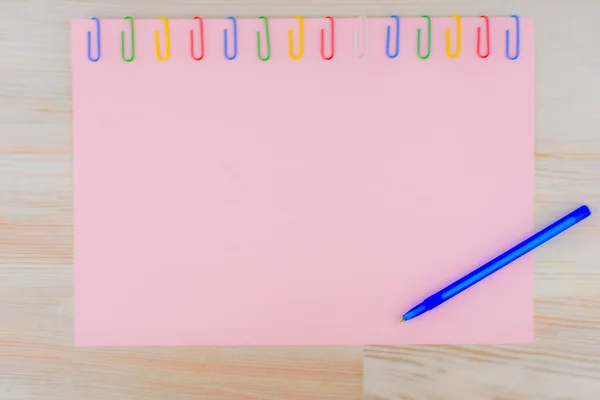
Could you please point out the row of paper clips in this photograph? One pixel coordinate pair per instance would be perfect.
(231, 54)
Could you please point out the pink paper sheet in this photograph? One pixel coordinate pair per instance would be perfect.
(304, 202)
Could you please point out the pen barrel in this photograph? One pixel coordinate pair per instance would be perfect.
(513, 254)
(497, 263)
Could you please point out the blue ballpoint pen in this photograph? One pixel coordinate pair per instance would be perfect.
(497, 263)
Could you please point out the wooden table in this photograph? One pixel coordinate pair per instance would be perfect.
(37, 359)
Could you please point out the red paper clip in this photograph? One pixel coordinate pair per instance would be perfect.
(487, 40)
(331, 24)
(201, 40)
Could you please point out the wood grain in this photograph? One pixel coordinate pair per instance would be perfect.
(37, 360)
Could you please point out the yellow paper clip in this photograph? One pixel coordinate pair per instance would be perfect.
(167, 41)
(457, 18)
(291, 40)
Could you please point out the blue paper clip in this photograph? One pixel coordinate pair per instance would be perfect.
(89, 40)
(518, 40)
(225, 52)
(387, 40)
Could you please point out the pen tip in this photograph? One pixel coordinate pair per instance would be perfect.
(401, 320)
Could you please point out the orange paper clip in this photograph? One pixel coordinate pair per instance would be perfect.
(291, 40)
(450, 54)
(167, 41)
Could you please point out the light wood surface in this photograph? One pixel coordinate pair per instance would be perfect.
(37, 360)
